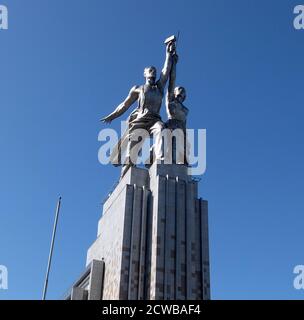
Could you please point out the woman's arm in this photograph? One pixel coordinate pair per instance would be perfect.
(171, 86)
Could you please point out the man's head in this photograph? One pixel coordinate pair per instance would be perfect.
(180, 94)
(150, 75)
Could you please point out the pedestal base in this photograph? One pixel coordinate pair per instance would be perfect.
(153, 237)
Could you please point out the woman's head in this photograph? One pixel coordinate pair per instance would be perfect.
(180, 94)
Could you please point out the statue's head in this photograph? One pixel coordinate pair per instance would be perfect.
(180, 94)
(150, 75)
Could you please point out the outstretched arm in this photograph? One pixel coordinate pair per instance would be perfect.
(124, 106)
(168, 64)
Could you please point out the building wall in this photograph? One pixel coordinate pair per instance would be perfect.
(153, 237)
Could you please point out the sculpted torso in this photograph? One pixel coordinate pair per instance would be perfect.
(150, 98)
(178, 111)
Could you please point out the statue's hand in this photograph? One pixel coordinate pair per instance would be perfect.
(107, 119)
(171, 48)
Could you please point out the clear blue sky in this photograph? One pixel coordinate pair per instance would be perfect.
(64, 64)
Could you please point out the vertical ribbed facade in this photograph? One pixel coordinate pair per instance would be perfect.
(163, 250)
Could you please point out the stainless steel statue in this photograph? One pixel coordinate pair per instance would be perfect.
(146, 116)
(177, 114)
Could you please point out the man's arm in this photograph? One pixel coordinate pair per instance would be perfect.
(167, 66)
(124, 106)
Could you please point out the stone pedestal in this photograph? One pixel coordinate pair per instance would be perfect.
(153, 237)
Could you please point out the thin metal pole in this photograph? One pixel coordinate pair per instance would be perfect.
(51, 250)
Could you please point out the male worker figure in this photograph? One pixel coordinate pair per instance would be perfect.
(146, 116)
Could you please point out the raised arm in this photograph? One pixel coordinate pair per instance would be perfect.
(124, 106)
(167, 66)
(171, 86)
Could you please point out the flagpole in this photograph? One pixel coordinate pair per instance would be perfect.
(51, 249)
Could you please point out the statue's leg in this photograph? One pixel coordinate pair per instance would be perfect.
(187, 149)
(128, 163)
(180, 146)
(156, 131)
(136, 140)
